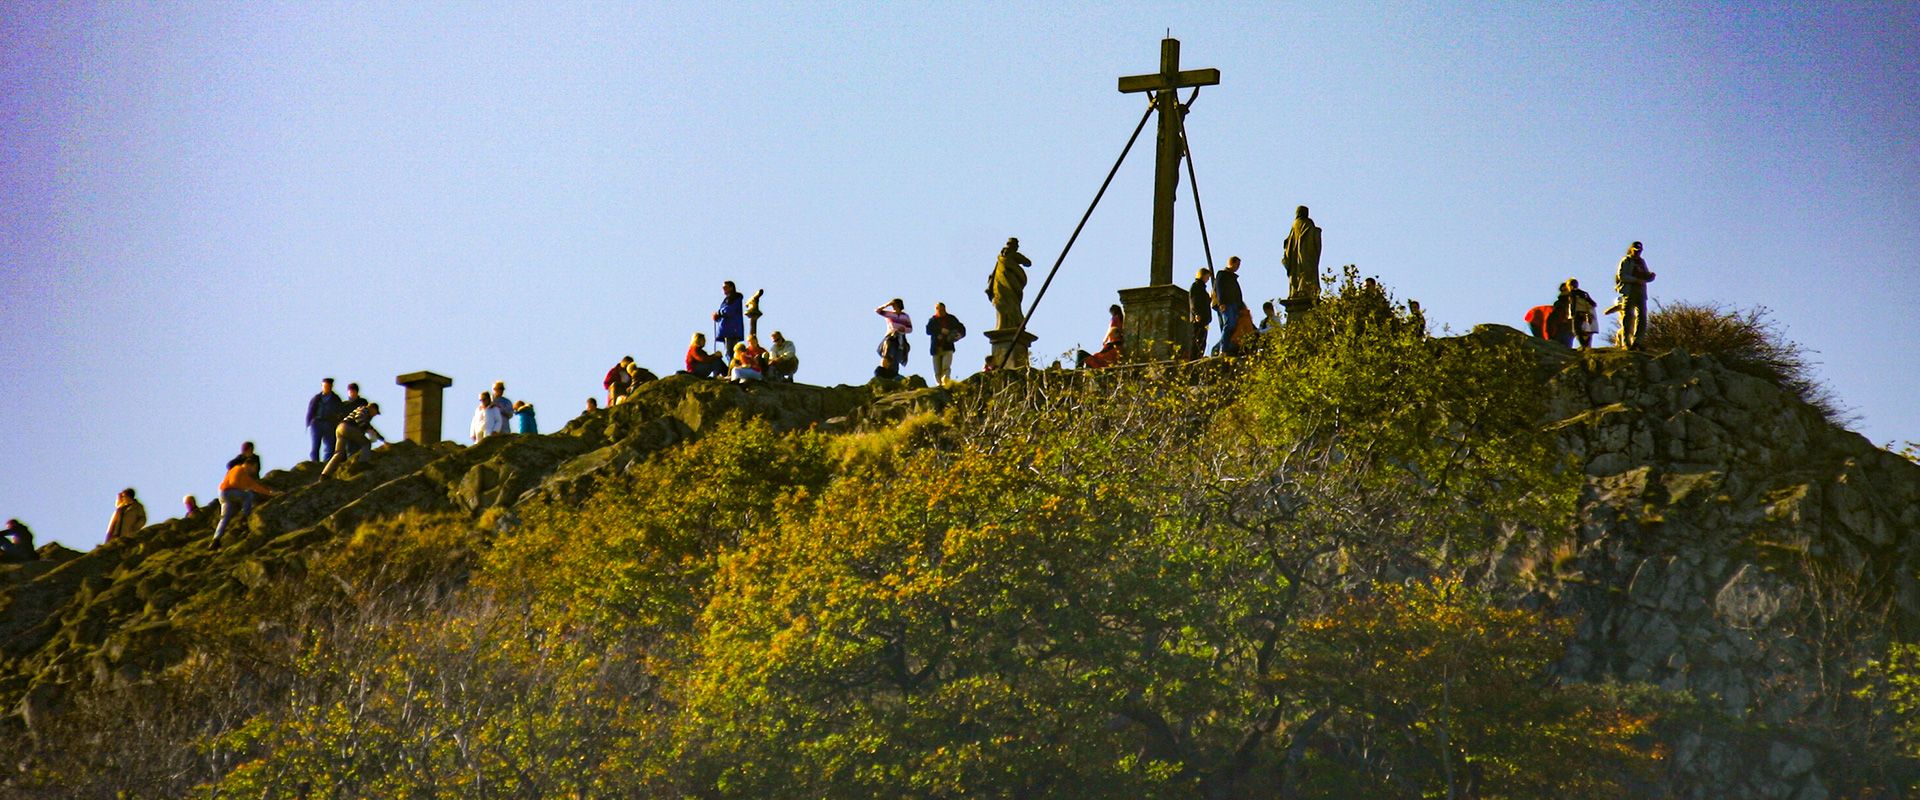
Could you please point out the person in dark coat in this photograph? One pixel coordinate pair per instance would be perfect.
(732, 327)
(943, 329)
(1200, 306)
(323, 412)
(1231, 305)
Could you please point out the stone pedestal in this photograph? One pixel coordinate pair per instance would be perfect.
(1298, 307)
(424, 411)
(1010, 344)
(1159, 325)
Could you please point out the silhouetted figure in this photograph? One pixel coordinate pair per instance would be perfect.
(1302, 259)
(17, 546)
(729, 330)
(1006, 286)
(1631, 280)
(129, 516)
(1200, 309)
(323, 412)
(1111, 348)
(943, 329)
(893, 347)
(593, 404)
(784, 360)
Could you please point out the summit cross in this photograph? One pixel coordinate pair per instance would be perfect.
(1165, 86)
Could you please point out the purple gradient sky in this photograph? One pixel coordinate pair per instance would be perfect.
(208, 207)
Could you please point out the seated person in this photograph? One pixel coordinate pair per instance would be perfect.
(745, 366)
(1109, 354)
(756, 355)
(784, 361)
(702, 363)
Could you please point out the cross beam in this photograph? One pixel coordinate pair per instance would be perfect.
(1166, 170)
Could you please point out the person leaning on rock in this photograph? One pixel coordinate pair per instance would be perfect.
(129, 516)
(242, 481)
(354, 433)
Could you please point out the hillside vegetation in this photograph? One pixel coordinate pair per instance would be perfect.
(1360, 562)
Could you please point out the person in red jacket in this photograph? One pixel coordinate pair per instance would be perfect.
(1537, 320)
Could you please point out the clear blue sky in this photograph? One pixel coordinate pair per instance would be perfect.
(205, 208)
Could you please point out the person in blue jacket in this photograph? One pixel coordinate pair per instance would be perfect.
(324, 412)
(523, 414)
(731, 328)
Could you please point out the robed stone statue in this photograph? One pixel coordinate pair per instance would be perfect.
(1302, 258)
(1008, 283)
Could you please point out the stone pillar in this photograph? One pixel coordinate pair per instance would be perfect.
(1159, 325)
(1005, 346)
(424, 411)
(1297, 308)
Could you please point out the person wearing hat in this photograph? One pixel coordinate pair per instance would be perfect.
(1631, 280)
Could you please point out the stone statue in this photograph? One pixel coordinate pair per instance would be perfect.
(1008, 283)
(1302, 258)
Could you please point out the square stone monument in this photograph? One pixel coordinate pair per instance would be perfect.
(424, 410)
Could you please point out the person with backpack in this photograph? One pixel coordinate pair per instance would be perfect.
(943, 329)
(1573, 314)
(893, 347)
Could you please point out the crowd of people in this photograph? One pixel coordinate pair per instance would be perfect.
(342, 428)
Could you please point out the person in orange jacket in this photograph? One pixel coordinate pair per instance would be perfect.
(241, 478)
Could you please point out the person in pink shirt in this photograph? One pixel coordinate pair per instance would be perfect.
(893, 349)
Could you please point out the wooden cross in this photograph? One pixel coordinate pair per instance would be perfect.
(1166, 170)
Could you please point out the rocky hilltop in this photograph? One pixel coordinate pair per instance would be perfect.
(1731, 543)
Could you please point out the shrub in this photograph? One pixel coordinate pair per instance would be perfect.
(1743, 339)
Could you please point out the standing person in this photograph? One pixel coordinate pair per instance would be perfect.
(523, 417)
(485, 418)
(18, 545)
(1302, 260)
(1631, 280)
(323, 412)
(1200, 309)
(619, 380)
(893, 347)
(730, 328)
(1231, 305)
(236, 490)
(943, 329)
(353, 432)
(129, 516)
(784, 361)
(354, 402)
(501, 404)
(1579, 308)
(702, 363)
